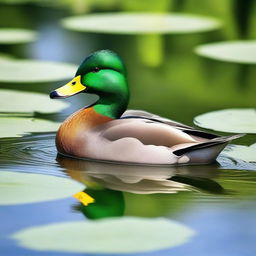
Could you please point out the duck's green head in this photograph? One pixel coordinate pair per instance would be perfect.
(102, 73)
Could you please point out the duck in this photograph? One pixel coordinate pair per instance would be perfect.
(106, 131)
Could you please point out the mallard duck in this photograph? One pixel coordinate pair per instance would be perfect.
(106, 131)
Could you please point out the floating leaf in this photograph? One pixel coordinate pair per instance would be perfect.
(112, 235)
(231, 51)
(16, 35)
(28, 102)
(21, 188)
(139, 23)
(28, 71)
(240, 152)
(18, 126)
(229, 120)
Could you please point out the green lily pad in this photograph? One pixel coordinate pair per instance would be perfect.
(230, 51)
(112, 235)
(23, 188)
(30, 71)
(16, 35)
(18, 126)
(141, 23)
(229, 120)
(245, 153)
(29, 102)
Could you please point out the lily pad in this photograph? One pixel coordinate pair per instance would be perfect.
(229, 120)
(241, 152)
(141, 23)
(23, 188)
(112, 235)
(28, 102)
(230, 51)
(30, 71)
(16, 35)
(18, 126)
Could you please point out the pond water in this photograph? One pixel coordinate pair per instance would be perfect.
(136, 210)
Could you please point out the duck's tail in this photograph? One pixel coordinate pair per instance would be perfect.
(206, 152)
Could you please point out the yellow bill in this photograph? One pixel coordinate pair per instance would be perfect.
(71, 88)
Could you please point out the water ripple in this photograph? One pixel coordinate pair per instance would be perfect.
(35, 153)
(236, 164)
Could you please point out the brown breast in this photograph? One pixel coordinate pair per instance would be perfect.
(71, 137)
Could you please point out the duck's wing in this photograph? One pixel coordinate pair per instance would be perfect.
(130, 113)
(146, 131)
(205, 141)
(140, 140)
(192, 131)
(152, 139)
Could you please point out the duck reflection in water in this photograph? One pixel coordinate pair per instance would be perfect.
(141, 179)
(108, 182)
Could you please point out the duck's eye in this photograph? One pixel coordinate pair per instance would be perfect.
(96, 69)
(73, 83)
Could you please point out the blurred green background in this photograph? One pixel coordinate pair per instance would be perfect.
(165, 74)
